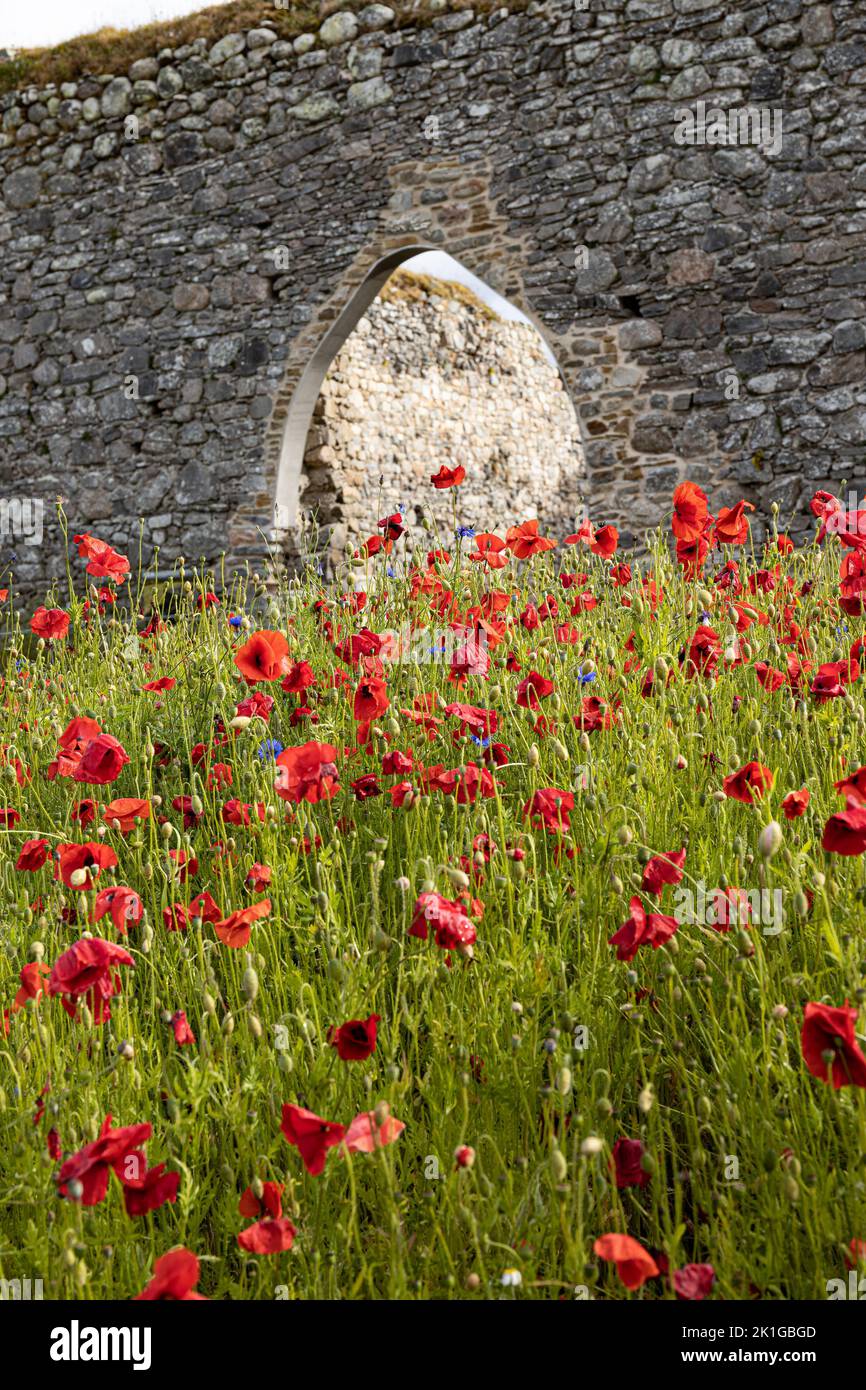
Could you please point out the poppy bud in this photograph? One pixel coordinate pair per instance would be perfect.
(464, 1156)
(645, 1100)
(770, 840)
(240, 721)
(78, 878)
(533, 755)
(558, 1165)
(591, 1146)
(457, 878)
(625, 835)
(228, 1025)
(381, 1112)
(250, 983)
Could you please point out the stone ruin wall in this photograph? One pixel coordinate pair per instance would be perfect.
(208, 256)
(432, 376)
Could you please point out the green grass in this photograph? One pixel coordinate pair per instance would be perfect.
(684, 1049)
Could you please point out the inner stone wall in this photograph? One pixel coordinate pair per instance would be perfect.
(432, 376)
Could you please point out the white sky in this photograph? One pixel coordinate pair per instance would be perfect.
(46, 22)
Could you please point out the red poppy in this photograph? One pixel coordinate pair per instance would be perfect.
(355, 1041)
(270, 1201)
(550, 807)
(102, 761)
(642, 929)
(124, 905)
(694, 1282)
(89, 967)
(307, 772)
(149, 1192)
(662, 869)
(183, 1034)
(448, 477)
(311, 1135)
(91, 857)
(31, 978)
(853, 788)
(627, 1156)
(634, 1264)
(532, 689)
(829, 1045)
(164, 683)
(234, 930)
(371, 700)
(690, 512)
(845, 832)
(265, 657)
(525, 541)
(749, 783)
(605, 541)
(91, 1166)
(299, 678)
(795, 803)
(268, 1237)
(127, 810)
(258, 877)
(32, 856)
(174, 1276)
(451, 925)
(732, 525)
(50, 623)
(366, 1133)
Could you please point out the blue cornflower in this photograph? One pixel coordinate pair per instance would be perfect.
(705, 617)
(235, 620)
(586, 677)
(465, 532)
(269, 748)
(390, 573)
(482, 742)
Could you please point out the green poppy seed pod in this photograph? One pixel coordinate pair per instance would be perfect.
(558, 1165)
(625, 835)
(284, 1061)
(616, 884)
(250, 984)
(533, 755)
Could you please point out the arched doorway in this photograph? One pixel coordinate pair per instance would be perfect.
(479, 385)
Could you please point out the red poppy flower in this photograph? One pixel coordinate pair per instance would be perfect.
(50, 623)
(265, 657)
(690, 512)
(829, 1045)
(627, 1155)
(845, 833)
(532, 689)
(124, 905)
(174, 1276)
(299, 678)
(102, 761)
(31, 978)
(448, 477)
(311, 1135)
(605, 541)
(642, 929)
(634, 1264)
(89, 967)
(550, 807)
(694, 1282)
(183, 1034)
(270, 1201)
(662, 869)
(371, 699)
(268, 1237)
(91, 1166)
(32, 856)
(164, 683)
(355, 1041)
(258, 877)
(749, 783)
(149, 1192)
(234, 930)
(366, 1134)
(853, 788)
(92, 857)
(307, 772)
(732, 525)
(795, 803)
(525, 541)
(127, 810)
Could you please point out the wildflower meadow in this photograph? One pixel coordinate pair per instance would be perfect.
(482, 921)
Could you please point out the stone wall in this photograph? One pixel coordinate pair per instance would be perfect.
(165, 283)
(432, 376)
